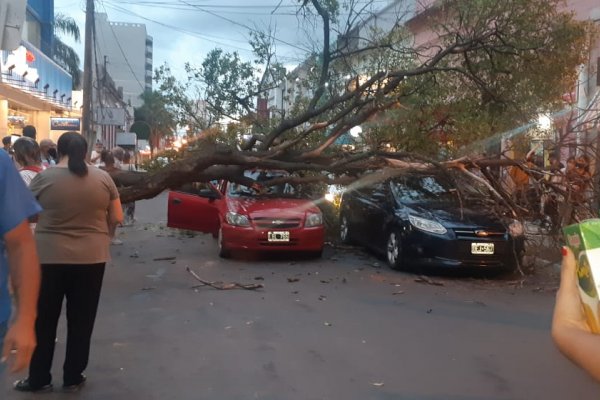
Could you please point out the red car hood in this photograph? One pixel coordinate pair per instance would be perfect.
(271, 207)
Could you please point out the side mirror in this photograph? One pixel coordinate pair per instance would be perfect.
(209, 194)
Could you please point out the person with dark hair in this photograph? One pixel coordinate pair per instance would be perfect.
(80, 207)
(29, 131)
(27, 154)
(6, 144)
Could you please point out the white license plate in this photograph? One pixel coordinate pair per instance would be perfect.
(482, 248)
(278, 236)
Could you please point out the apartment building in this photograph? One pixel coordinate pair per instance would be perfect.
(125, 50)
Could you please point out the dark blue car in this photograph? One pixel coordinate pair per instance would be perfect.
(420, 220)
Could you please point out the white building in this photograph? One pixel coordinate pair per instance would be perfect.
(126, 50)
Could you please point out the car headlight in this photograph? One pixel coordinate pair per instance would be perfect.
(427, 225)
(237, 219)
(515, 228)
(313, 219)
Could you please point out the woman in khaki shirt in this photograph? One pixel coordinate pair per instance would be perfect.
(80, 206)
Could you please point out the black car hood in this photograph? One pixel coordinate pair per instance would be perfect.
(452, 215)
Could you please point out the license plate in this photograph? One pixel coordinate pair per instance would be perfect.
(280, 236)
(482, 248)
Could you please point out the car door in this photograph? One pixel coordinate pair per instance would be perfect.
(194, 207)
(360, 212)
(378, 208)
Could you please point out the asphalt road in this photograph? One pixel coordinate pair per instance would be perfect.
(346, 328)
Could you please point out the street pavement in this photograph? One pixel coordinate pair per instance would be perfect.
(341, 327)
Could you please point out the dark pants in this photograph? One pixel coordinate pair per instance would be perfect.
(81, 285)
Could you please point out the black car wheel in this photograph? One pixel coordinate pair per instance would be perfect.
(393, 250)
(223, 251)
(344, 230)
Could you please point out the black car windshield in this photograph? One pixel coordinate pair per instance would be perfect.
(282, 190)
(423, 188)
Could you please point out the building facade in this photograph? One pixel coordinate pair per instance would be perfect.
(125, 50)
(34, 90)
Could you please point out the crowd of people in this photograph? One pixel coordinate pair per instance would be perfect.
(59, 216)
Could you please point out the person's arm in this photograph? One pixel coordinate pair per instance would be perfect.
(25, 277)
(115, 213)
(95, 156)
(570, 330)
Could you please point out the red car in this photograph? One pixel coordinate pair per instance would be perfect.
(241, 218)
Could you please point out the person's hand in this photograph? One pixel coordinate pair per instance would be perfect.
(20, 338)
(568, 312)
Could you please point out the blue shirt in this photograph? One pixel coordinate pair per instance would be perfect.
(17, 204)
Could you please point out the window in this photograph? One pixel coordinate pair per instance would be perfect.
(32, 31)
(282, 190)
(198, 188)
(423, 188)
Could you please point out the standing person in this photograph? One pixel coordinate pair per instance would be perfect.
(108, 165)
(118, 153)
(6, 144)
(30, 132)
(80, 205)
(96, 153)
(18, 258)
(48, 153)
(128, 208)
(27, 154)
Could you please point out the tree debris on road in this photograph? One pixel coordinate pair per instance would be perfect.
(224, 286)
(424, 279)
(164, 259)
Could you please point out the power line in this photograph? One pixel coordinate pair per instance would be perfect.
(143, 87)
(210, 38)
(240, 24)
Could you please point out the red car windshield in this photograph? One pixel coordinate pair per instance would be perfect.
(262, 188)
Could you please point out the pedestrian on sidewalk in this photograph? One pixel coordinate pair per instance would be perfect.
(96, 154)
(27, 154)
(19, 260)
(128, 208)
(108, 165)
(48, 153)
(80, 205)
(30, 132)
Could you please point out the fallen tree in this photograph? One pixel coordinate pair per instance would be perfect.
(486, 66)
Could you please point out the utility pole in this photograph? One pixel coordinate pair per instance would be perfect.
(87, 128)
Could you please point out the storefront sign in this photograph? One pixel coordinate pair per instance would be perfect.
(65, 124)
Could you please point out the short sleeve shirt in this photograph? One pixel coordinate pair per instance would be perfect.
(17, 205)
(73, 228)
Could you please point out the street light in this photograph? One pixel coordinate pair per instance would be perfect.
(544, 122)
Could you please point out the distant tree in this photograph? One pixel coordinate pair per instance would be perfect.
(160, 119)
(64, 55)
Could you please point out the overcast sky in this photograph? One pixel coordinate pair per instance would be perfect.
(187, 30)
